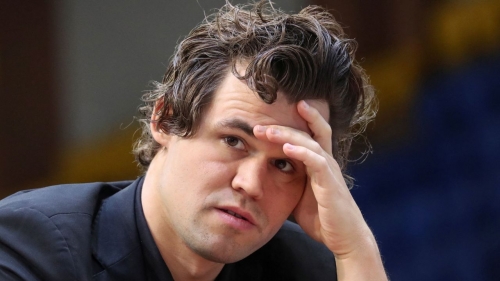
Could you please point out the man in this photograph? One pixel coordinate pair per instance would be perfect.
(251, 124)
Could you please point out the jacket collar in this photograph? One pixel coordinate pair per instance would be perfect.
(122, 251)
(115, 239)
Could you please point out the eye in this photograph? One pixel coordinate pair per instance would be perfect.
(283, 165)
(234, 142)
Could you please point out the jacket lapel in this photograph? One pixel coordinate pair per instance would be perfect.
(115, 240)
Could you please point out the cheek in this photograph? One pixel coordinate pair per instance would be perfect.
(283, 201)
(205, 177)
(291, 191)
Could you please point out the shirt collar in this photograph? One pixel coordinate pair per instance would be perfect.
(156, 269)
(246, 269)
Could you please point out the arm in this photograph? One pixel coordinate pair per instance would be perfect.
(327, 212)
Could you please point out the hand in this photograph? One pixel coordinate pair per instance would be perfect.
(327, 212)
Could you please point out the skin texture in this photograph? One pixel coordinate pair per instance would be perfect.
(223, 164)
(265, 162)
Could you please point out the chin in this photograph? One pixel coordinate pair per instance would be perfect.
(223, 257)
(226, 252)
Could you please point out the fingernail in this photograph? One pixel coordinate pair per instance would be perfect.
(260, 128)
(305, 104)
(275, 131)
(289, 146)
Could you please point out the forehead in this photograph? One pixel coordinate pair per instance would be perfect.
(234, 99)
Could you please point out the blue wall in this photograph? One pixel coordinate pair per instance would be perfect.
(434, 202)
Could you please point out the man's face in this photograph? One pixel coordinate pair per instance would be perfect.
(223, 193)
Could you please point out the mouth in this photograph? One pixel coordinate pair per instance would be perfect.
(238, 214)
(234, 214)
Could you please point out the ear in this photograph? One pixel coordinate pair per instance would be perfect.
(159, 135)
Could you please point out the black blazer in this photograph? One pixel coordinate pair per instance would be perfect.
(89, 232)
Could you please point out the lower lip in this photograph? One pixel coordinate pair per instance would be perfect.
(233, 221)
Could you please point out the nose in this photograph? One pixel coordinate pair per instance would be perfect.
(250, 177)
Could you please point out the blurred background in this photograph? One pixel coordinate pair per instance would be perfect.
(72, 73)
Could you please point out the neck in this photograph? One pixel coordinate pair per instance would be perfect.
(183, 263)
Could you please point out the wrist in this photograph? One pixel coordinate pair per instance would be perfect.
(363, 262)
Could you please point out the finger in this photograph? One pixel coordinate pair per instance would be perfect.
(306, 214)
(317, 165)
(282, 134)
(326, 189)
(320, 167)
(317, 122)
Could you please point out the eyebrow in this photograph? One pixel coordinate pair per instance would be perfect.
(236, 124)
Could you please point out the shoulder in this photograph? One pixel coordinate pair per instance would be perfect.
(291, 252)
(61, 199)
(45, 233)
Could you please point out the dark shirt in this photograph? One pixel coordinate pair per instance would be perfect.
(98, 231)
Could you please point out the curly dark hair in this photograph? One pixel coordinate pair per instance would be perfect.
(304, 55)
